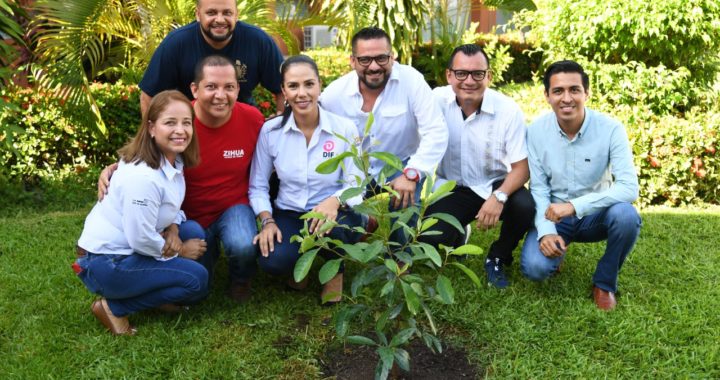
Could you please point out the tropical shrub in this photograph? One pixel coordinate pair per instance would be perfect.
(53, 144)
(332, 62)
(663, 54)
(677, 158)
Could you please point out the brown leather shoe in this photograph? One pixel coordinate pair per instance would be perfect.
(240, 291)
(332, 291)
(116, 325)
(604, 300)
(372, 226)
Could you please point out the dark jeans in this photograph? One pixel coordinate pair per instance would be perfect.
(282, 260)
(517, 217)
(132, 283)
(619, 224)
(235, 229)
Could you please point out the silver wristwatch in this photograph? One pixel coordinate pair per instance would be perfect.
(500, 196)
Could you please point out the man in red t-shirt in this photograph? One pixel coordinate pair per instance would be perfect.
(216, 200)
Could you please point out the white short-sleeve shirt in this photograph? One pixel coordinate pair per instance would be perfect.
(481, 147)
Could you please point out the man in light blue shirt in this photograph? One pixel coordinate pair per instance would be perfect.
(583, 181)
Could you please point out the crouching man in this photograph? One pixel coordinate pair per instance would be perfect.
(583, 181)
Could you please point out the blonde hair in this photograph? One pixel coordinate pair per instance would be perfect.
(142, 147)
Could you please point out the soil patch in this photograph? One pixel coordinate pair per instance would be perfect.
(359, 362)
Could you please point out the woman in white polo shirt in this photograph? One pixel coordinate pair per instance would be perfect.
(294, 145)
(122, 253)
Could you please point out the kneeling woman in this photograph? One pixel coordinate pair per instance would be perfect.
(122, 254)
(294, 146)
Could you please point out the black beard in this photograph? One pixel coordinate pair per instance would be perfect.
(375, 86)
(208, 34)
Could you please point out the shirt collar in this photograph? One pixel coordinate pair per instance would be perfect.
(170, 171)
(583, 127)
(324, 123)
(488, 103)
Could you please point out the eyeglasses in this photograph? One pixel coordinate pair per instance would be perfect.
(381, 59)
(477, 75)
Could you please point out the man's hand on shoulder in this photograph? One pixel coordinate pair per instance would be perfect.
(104, 180)
(556, 211)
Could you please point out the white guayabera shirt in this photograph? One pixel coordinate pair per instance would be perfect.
(482, 147)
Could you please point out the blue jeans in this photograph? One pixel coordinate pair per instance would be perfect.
(235, 229)
(132, 283)
(619, 224)
(399, 235)
(282, 260)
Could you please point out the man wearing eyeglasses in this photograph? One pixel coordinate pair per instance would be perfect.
(407, 120)
(487, 159)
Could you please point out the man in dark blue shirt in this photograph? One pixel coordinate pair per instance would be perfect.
(216, 31)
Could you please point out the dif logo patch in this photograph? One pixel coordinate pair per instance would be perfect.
(328, 148)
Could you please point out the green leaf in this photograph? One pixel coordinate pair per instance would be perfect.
(389, 159)
(368, 124)
(392, 265)
(469, 273)
(312, 215)
(326, 226)
(402, 358)
(467, 249)
(411, 298)
(357, 282)
(427, 223)
(329, 270)
(432, 342)
(387, 288)
(308, 243)
(330, 165)
(441, 191)
(302, 266)
(402, 337)
(433, 254)
(387, 356)
(445, 289)
(428, 315)
(342, 322)
(362, 340)
(449, 219)
(351, 192)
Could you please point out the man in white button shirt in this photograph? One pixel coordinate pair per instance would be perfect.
(487, 158)
(407, 121)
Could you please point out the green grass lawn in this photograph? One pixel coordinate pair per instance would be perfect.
(667, 324)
